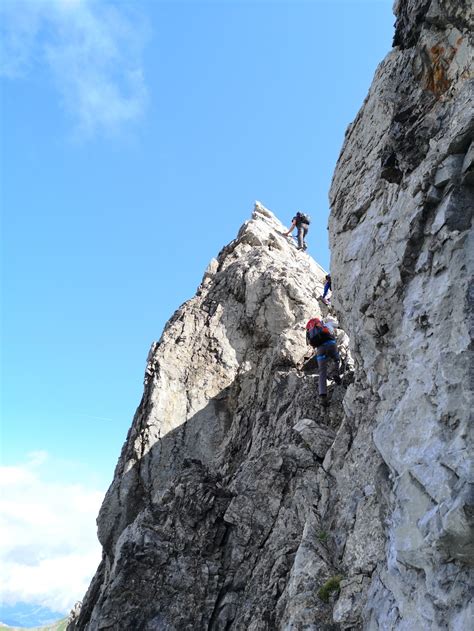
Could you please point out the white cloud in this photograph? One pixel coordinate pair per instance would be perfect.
(93, 51)
(48, 546)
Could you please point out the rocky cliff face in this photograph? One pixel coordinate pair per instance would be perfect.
(402, 259)
(237, 503)
(218, 513)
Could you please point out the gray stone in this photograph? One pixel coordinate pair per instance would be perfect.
(448, 169)
(351, 602)
(455, 212)
(211, 520)
(412, 390)
(318, 438)
(433, 196)
(468, 166)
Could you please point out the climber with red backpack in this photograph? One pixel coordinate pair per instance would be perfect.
(300, 221)
(322, 337)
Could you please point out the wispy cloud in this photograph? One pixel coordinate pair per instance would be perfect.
(48, 549)
(93, 50)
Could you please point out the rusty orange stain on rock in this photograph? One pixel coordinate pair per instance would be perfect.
(436, 78)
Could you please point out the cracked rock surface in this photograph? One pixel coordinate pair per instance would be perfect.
(402, 266)
(216, 515)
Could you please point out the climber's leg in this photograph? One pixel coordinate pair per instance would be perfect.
(305, 232)
(300, 237)
(323, 371)
(333, 353)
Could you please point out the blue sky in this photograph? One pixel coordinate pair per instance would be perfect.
(135, 138)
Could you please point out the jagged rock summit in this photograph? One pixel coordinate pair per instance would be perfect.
(211, 519)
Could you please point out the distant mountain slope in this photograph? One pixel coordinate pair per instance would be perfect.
(25, 615)
(60, 625)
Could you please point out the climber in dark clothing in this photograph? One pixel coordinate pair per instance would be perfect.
(300, 221)
(322, 337)
(327, 287)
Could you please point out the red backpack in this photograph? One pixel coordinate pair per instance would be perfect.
(317, 333)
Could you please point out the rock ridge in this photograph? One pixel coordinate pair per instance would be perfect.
(211, 519)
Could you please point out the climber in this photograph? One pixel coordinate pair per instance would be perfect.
(300, 221)
(342, 341)
(322, 336)
(327, 287)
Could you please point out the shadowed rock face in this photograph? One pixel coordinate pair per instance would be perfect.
(218, 515)
(402, 263)
(236, 502)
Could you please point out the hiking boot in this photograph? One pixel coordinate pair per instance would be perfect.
(323, 399)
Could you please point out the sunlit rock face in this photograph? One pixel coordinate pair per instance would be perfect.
(237, 502)
(402, 262)
(218, 514)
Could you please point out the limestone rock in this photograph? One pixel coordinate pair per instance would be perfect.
(402, 259)
(212, 518)
(318, 438)
(448, 169)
